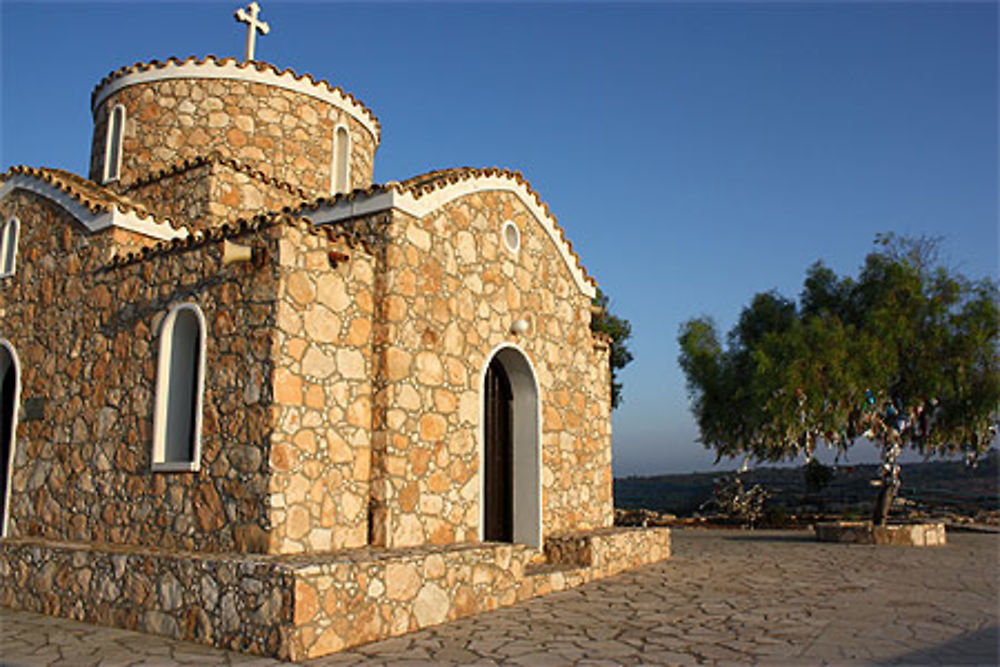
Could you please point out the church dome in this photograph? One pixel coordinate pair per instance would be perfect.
(149, 117)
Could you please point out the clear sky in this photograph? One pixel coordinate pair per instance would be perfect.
(695, 153)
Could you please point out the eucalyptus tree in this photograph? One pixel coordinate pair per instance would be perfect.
(904, 356)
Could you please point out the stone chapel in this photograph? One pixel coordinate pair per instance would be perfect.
(251, 398)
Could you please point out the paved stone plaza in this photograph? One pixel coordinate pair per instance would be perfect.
(727, 597)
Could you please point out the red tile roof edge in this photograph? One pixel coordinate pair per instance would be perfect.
(92, 196)
(216, 158)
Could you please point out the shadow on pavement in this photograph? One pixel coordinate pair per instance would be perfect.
(975, 648)
(786, 536)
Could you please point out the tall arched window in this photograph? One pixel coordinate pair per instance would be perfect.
(341, 167)
(180, 385)
(113, 144)
(8, 247)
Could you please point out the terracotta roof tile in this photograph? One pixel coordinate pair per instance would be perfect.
(260, 66)
(95, 198)
(230, 230)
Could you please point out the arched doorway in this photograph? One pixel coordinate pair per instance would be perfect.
(510, 452)
(10, 387)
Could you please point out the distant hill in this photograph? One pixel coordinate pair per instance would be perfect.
(947, 485)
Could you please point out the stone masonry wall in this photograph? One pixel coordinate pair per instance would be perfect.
(284, 134)
(229, 602)
(322, 349)
(211, 193)
(453, 291)
(88, 339)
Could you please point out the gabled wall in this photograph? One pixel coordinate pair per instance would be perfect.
(453, 292)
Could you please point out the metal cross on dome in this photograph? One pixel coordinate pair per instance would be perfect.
(249, 16)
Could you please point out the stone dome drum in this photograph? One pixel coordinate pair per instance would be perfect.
(291, 128)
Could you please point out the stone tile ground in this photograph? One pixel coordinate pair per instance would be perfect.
(726, 597)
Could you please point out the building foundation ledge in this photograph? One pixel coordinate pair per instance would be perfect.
(294, 607)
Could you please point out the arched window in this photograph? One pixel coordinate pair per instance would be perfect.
(113, 144)
(341, 167)
(180, 385)
(8, 247)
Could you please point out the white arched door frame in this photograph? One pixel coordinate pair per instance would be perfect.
(6, 346)
(527, 445)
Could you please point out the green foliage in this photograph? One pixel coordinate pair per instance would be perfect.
(619, 330)
(905, 355)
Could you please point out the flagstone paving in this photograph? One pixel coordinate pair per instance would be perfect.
(726, 597)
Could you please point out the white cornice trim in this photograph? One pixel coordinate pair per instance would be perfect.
(94, 222)
(213, 70)
(427, 203)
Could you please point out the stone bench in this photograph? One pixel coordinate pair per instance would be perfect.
(863, 532)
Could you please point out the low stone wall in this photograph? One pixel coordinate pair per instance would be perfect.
(860, 532)
(607, 551)
(237, 602)
(370, 594)
(296, 607)
(376, 595)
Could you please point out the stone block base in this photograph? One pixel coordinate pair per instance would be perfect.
(861, 532)
(296, 607)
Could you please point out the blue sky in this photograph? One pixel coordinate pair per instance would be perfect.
(695, 154)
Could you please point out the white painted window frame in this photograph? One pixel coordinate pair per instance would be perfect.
(508, 225)
(339, 131)
(9, 238)
(5, 519)
(109, 142)
(162, 393)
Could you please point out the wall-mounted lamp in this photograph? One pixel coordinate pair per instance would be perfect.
(519, 327)
(234, 252)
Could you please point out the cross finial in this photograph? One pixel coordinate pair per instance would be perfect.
(249, 16)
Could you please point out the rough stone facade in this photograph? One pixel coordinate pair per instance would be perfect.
(453, 292)
(87, 335)
(337, 495)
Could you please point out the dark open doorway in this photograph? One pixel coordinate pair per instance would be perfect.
(8, 407)
(499, 456)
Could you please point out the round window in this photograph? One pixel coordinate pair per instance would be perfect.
(511, 236)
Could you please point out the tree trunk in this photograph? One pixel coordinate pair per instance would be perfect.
(883, 503)
(889, 483)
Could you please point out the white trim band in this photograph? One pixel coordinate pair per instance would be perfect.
(94, 222)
